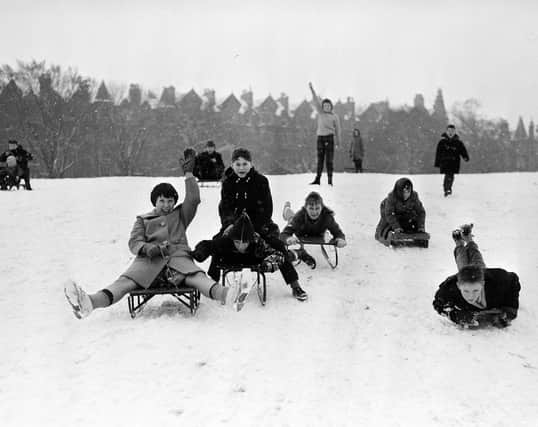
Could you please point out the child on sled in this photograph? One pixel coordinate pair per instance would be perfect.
(158, 240)
(401, 212)
(314, 219)
(477, 296)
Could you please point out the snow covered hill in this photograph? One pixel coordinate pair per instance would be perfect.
(367, 349)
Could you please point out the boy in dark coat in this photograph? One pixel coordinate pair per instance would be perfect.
(477, 296)
(159, 241)
(401, 212)
(246, 190)
(447, 157)
(23, 157)
(208, 164)
(314, 219)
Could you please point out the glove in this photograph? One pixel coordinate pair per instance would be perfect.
(153, 251)
(187, 161)
(340, 243)
(293, 240)
(463, 318)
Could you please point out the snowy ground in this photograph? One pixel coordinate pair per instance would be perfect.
(367, 348)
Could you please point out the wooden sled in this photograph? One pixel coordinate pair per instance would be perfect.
(398, 240)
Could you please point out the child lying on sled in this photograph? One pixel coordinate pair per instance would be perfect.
(159, 240)
(243, 246)
(314, 219)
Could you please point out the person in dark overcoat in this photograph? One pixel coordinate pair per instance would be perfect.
(244, 189)
(23, 157)
(447, 157)
(314, 219)
(158, 241)
(356, 150)
(401, 212)
(477, 296)
(208, 164)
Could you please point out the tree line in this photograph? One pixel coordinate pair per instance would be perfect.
(78, 128)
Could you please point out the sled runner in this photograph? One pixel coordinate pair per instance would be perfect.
(328, 248)
(186, 295)
(397, 240)
(234, 273)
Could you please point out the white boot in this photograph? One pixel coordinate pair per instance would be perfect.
(78, 299)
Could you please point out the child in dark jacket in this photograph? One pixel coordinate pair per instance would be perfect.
(401, 212)
(314, 219)
(244, 189)
(477, 296)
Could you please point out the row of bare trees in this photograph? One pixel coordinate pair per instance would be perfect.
(75, 132)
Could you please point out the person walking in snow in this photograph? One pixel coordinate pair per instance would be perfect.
(447, 157)
(158, 240)
(477, 296)
(328, 133)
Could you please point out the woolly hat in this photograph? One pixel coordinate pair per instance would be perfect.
(163, 189)
(471, 274)
(241, 152)
(400, 185)
(242, 229)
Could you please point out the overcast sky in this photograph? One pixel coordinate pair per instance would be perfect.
(392, 49)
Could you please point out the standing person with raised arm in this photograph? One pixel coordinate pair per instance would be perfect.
(328, 134)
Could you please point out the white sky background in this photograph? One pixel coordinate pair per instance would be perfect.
(485, 49)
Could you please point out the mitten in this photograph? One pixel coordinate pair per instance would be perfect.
(187, 162)
(340, 243)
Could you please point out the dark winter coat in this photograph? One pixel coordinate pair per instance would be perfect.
(208, 166)
(399, 213)
(356, 150)
(156, 229)
(501, 290)
(449, 151)
(251, 193)
(302, 226)
(22, 156)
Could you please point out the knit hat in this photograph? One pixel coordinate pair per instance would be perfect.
(471, 274)
(242, 229)
(400, 185)
(241, 152)
(163, 189)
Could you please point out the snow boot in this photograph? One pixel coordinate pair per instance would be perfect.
(78, 299)
(299, 293)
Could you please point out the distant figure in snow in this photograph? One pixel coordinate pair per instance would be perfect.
(22, 157)
(477, 296)
(328, 134)
(447, 157)
(356, 150)
(244, 189)
(401, 212)
(158, 240)
(314, 219)
(208, 165)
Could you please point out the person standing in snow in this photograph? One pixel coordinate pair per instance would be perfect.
(328, 134)
(208, 164)
(477, 296)
(23, 157)
(158, 240)
(356, 150)
(447, 157)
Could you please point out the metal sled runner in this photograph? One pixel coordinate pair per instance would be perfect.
(328, 248)
(261, 281)
(186, 295)
(398, 240)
